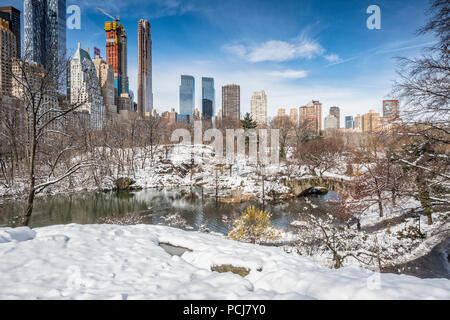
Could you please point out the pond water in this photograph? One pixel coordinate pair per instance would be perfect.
(157, 207)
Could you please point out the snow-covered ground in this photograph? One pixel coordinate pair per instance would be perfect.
(126, 262)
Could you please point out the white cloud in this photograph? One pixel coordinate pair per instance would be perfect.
(289, 74)
(275, 50)
(332, 58)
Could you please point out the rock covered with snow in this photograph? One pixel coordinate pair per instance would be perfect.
(118, 262)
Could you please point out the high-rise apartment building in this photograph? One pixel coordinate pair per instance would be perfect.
(187, 98)
(390, 109)
(370, 121)
(357, 124)
(293, 116)
(331, 122)
(335, 111)
(32, 72)
(231, 102)
(44, 31)
(7, 52)
(281, 112)
(116, 55)
(208, 98)
(85, 88)
(311, 116)
(145, 78)
(258, 107)
(105, 77)
(12, 15)
(349, 124)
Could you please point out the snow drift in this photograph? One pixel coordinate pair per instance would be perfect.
(126, 262)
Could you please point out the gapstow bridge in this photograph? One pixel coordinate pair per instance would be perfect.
(301, 186)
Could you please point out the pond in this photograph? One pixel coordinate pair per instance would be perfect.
(163, 207)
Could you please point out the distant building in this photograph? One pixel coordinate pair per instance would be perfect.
(208, 98)
(196, 115)
(293, 115)
(85, 89)
(281, 112)
(145, 79)
(258, 107)
(390, 109)
(370, 121)
(335, 111)
(349, 124)
(33, 72)
(311, 116)
(331, 122)
(231, 101)
(187, 98)
(105, 76)
(12, 15)
(7, 53)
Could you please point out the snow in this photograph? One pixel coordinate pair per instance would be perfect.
(126, 262)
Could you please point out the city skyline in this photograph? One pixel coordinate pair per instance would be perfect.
(307, 65)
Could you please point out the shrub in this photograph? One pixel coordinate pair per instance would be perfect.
(253, 226)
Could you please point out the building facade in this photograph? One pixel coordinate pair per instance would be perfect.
(258, 107)
(12, 15)
(293, 115)
(187, 98)
(357, 124)
(7, 53)
(331, 122)
(85, 88)
(105, 77)
(370, 121)
(44, 31)
(349, 124)
(311, 116)
(145, 78)
(231, 102)
(335, 111)
(208, 98)
(391, 109)
(116, 55)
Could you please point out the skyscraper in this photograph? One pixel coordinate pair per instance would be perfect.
(12, 15)
(330, 122)
(370, 121)
(44, 31)
(187, 98)
(85, 88)
(349, 124)
(116, 55)
(208, 98)
(335, 111)
(258, 107)
(7, 52)
(145, 79)
(231, 102)
(311, 116)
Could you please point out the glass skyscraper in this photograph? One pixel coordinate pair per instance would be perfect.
(349, 124)
(187, 97)
(208, 98)
(44, 30)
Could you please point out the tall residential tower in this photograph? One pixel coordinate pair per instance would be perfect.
(145, 79)
(258, 107)
(231, 102)
(187, 98)
(208, 98)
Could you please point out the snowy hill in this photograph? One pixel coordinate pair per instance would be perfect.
(127, 262)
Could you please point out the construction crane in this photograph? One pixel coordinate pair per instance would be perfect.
(108, 15)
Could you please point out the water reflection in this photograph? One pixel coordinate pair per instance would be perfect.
(199, 212)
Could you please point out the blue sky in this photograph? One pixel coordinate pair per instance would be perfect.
(296, 50)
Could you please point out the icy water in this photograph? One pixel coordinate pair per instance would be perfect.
(157, 207)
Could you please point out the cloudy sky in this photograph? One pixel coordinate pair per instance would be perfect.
(295, 50)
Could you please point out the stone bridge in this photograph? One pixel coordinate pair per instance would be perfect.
(300, 186)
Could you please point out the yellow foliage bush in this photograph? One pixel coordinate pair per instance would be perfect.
(253, 226)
